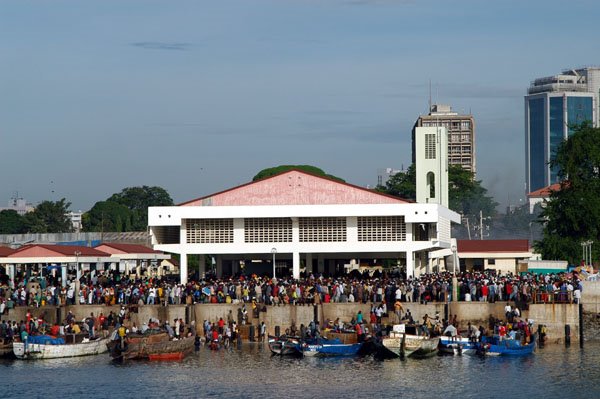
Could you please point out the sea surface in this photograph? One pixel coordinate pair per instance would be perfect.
(250, 371)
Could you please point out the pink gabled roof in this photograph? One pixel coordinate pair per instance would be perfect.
(5, 251)
(295, 187)
(493, 245)
(544, 192)
(117, 248)
(38, 250)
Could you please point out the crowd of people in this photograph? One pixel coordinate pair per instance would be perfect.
(112, 288)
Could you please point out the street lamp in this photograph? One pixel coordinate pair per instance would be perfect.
(273, 251)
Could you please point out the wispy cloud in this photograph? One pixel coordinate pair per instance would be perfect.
(177, 46)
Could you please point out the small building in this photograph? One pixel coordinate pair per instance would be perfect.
(541, 195)
(503, 256)
(134, 257)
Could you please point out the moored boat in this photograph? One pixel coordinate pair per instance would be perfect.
(328, 347)
(284, 346)
(400, 343)
(47, 347)
(457, 345)
(153, 344)
(6, 348)
(495, 346)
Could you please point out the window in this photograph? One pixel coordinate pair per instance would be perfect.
(381, 228)
(465, 125)
(268, 230)
(430, 146)
(491, 261)
(209, 231)
(322, 229)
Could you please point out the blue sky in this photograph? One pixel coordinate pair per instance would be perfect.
(198, 96)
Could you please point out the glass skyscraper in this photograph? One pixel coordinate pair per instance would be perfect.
(552, 107)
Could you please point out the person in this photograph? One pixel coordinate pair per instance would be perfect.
(398, 308)
(450, 331)
(262, 332)
(359, 317)
(169, 329)
(24, 338)
(508, 311)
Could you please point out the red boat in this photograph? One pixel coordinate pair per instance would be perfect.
(167, 356)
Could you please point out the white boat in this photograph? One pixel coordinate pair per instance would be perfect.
(54, 351)
(402, 344)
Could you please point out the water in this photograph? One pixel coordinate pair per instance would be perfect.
(251, 372)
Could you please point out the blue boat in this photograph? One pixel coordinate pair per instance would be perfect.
(328, 347)
(494, 346)
(457, 345)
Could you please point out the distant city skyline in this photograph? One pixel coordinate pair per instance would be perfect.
(197, 97)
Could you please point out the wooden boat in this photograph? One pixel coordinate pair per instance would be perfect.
(494, 346)
(39, 347)
(152, 344)
(457, 346)
(403, 341)
(284, 346)
(6, 348)
(167, 356)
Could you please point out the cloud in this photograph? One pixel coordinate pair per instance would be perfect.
(178, 46)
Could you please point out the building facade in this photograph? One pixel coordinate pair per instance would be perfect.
(461, 134)
(297, 221)
(553, 105)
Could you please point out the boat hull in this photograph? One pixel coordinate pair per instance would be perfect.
(327, 349)
(43, 351)
(149, 346)
(505, 347)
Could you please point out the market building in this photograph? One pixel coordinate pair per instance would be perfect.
(297, 222)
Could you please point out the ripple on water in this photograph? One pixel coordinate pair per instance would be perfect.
(252, 372)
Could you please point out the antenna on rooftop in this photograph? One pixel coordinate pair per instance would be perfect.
(429, 110)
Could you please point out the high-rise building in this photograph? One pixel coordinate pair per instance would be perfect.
(553, 105)
(384, 174)
(461, 134)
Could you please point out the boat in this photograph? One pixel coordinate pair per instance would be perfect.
(403, 341)
(495, 346)
(6, 347)
(284, 346)
(48, 347)
(167, 356)
(154, 343)
(328, 347)
(457, 345)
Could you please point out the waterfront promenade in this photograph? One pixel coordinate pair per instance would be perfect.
(554, 316)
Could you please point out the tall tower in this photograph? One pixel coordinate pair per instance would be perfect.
(431, 164)
(461, 134)
(553, 105)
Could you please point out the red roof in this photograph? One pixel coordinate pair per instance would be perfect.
(493, 245)
(5, 251)
(129, 248)
(545, 192)
(388, 197)
(36, 250)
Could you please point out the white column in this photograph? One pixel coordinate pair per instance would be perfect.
(410, 264)
(11, 275)
(183, 269)
(238, 231)
(296, 264)
(352, 229)
(63, 274)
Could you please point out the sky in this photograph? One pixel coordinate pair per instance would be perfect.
(198, 96)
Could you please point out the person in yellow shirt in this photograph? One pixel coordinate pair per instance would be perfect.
(75, 328)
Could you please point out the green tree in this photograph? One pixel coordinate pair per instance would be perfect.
(11, 222)
(138, 199)
(402, 184)
(284, 168)
(107, 216)
(572, 214)
(49, 217)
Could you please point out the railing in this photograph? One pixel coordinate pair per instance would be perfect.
(552, 297)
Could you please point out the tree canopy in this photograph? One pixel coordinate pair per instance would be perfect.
(126, 210)
(284, 168)
(49, 217)
(11, 222)
(572, 214)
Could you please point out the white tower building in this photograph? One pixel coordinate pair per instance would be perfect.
(431, 165)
